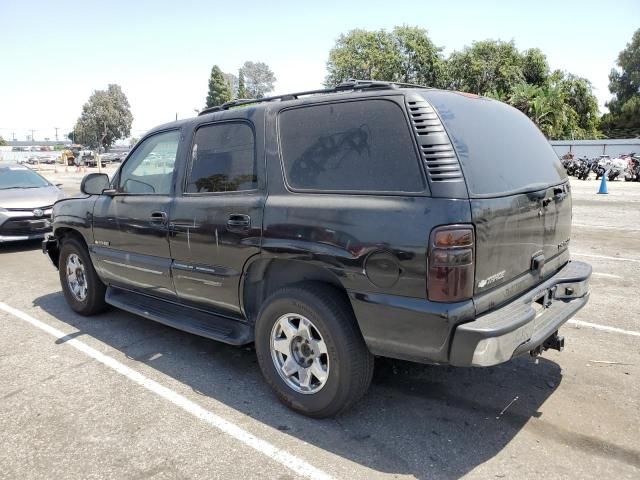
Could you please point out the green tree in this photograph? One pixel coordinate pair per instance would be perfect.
(232, 81)
(578, 95)
(363, 54)
(105, 118)
(219, 91)
(535, 68)
(3, 142)
(242, 89)
(486, 66)
(564, 107)
(406, 54)
(258, 79)
(561, 104)
(624, 85)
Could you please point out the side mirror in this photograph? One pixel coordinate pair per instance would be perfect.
(95, 184)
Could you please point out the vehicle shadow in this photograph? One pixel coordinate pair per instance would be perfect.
(23, 246)
(425, 421)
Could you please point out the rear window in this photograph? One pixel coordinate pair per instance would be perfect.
(501, 151)
(352, 146)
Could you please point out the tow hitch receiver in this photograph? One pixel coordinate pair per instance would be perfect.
(554, 342)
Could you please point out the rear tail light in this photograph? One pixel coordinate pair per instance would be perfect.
(450, 264)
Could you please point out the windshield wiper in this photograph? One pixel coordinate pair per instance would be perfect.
(9, 188)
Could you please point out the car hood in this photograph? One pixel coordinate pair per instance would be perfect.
(30, 197)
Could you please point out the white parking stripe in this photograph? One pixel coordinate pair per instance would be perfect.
(286, 459)
(606, 275)
(605, 257)
(604, 328)
(606, 227)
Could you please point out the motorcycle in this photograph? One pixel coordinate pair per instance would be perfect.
(632, 172)
(617, 168)
(612, 167)
(598, 167)
(582, 168)
(568, 163)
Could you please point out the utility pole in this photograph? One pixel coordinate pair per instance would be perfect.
(56, 128)
(32, 138)
(100, 142)
(13, 134)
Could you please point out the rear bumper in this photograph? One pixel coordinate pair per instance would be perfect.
(523, 324)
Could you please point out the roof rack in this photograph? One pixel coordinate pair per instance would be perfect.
(351, 84)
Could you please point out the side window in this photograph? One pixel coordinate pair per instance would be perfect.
(351, 146)
(150, 168)
(223, 159)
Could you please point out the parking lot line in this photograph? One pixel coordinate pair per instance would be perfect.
(283, 457)
(604, 328)
(605, 257)
(606, 275)
(606, 227)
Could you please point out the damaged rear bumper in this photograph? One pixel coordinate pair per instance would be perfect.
(524, 324)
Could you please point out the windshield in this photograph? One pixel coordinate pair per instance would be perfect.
(18, 177)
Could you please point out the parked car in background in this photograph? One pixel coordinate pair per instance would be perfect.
(115, 154)
(331, 226)
(119, 153)
(48, 159)
(26, 200)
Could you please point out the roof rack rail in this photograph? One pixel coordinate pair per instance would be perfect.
(351, 84)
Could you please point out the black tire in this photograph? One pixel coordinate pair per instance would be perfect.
(351, 363)
(93, 302)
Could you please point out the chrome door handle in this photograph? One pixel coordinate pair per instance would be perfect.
(238, 222)
(159, 217)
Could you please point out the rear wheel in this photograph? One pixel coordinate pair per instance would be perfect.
(311, 351)
(82, 288)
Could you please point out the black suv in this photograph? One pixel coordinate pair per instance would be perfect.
(331, 226)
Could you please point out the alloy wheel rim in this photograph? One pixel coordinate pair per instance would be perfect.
(299, 353)
(76, 277)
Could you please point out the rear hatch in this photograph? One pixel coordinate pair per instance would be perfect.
(518, 191)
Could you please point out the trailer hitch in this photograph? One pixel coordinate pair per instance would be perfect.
(554, 342)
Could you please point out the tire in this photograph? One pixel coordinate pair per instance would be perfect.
(348, 362)
(89, 298)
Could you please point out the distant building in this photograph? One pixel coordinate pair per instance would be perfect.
(37, 143)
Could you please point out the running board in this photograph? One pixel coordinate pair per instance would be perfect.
(198, 322)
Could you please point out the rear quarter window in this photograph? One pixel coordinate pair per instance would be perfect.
(500, 150)
(363, 145)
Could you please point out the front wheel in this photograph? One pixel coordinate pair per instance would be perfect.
(82, 288)
(311, 351)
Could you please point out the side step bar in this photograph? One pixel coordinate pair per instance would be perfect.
(198, 322)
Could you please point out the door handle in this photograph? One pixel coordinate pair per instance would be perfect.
(159, 217)
(238, 222)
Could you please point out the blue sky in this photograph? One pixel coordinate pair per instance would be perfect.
(54, 54)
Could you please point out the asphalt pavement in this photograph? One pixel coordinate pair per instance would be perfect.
(117, 396)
